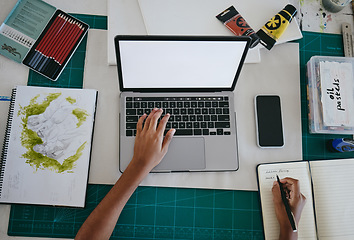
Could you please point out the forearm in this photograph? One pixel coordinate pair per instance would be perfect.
(101, 222)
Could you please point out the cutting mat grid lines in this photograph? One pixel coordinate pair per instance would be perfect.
(170, 213)
(152, 213)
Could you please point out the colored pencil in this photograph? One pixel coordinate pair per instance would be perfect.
(61, 45)
(48, 35)
(78, 35)
(52, 44)
(55, 46)
(43, 47)
(52, 28)
(47, 46)
(67, 47)
(53, 52)
(65, 38)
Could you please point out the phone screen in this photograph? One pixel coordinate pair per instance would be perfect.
(269, 121)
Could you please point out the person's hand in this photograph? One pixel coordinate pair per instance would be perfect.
(296, 202)
(149, 149)
(150, 144)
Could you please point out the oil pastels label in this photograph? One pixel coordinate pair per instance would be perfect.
(337, 93)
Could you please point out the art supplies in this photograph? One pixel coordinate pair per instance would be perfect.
(341, 145)
(41, 37)
(276, 26)
(233, 20)
(326, 184)
(330, 94)
(348, 40)
(46, 153)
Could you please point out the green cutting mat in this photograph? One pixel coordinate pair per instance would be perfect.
(314, 44)
(171, 213)
(153, 213)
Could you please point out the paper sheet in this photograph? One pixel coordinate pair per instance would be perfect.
(313, 17)
(278, 74)
(4, 110)
(124, 18)
(267, 175)
(197, 17)
(65, 128)
(189, 18)
(334, 197)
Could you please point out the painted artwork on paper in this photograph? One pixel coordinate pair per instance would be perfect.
(51, 132)
(313, 17)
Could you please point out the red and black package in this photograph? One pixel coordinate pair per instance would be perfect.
(233, 20)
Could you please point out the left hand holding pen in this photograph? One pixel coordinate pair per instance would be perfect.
(296, 202)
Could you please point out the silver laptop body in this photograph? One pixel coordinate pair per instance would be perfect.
(189, 77)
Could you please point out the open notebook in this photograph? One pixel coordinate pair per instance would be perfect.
(328, 188)
(47, 147)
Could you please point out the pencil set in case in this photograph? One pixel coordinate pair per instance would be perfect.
(56, 44)
(41, 37)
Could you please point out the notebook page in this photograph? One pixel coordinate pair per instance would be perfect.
(267, 175)
(49, 147)
(333, 182)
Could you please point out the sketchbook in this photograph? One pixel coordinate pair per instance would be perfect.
(47, 147)
(328, 187)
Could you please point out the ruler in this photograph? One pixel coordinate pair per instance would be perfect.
(347, 39)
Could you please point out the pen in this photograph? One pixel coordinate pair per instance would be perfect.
(287, 207)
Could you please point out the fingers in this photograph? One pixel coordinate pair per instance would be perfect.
(151, 121)
(292, 184)
(139, 125)
(162, 124)
(276, 192)
(155, 118)
(167, 140)
(148, 119)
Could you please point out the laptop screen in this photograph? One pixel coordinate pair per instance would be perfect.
(185, 63)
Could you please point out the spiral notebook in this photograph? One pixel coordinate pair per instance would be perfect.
(47, 147)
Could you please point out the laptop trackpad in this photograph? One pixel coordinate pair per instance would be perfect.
(183, 154)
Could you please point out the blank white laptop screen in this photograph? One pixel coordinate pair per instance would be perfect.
(180, 64)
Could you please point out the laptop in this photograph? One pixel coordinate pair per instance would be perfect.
(192, 78)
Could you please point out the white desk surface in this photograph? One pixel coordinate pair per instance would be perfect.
(18, 75)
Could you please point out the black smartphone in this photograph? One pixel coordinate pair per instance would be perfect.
(269, 121)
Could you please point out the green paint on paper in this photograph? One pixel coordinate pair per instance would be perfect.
(71, 100)
(35, 108)
(69, 163)
(29, 138)
(81, 116)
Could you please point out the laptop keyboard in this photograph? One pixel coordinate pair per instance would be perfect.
(188, 115)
